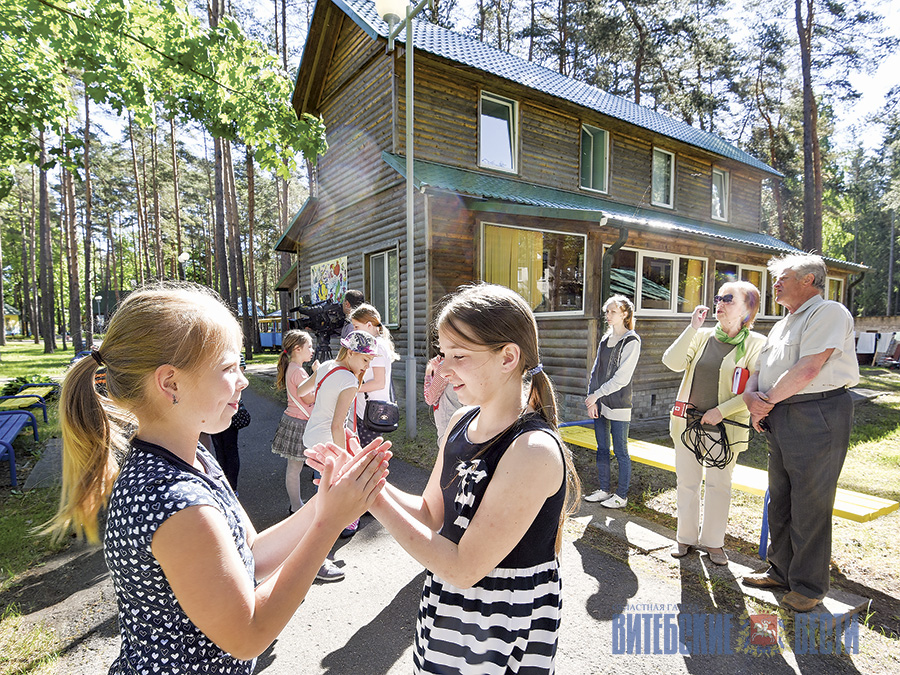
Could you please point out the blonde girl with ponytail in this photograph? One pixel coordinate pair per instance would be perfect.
(182, 553)
(489, 523)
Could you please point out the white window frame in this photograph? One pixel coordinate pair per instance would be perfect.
(591, 131)
(671, 202)
(840, 283)
(567, 313)
(763, 291)
(513, 107)
(673, 295)
(725, 198)
(384, 311)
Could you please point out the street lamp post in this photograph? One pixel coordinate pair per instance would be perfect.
(97, 321)
(391, 11)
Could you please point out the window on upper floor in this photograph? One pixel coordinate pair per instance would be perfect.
(667, 284)
(594, 158)
(498, 133)
(544, 267)
(663, 183)
(384, 284)
(721, 194)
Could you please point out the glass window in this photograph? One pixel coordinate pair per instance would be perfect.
(667, 283)
(384, 285)
(623, 275)
(834, 289)
(754, 275)
(720, 194)
(691, 282)
(545, 268)
(497, 143)
(594, 153)
(771, 307)
(725, 272)
(663, 178)
(656, 282)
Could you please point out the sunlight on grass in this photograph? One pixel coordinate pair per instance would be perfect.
(20, 357)
(25, 649)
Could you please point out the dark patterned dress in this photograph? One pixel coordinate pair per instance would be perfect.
(509, 621)
(157, 636)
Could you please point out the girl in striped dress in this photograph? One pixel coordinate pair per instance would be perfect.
(488, 526)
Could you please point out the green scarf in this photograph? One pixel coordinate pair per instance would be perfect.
(738, 339)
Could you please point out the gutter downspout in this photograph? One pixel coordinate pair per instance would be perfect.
(606, 264)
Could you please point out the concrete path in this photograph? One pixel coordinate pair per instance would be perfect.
(621, 591)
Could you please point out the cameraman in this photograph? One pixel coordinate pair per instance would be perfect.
(352, 300)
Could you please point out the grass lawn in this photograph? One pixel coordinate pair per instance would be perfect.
(22, 357)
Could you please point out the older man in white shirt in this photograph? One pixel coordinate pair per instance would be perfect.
(799, 397)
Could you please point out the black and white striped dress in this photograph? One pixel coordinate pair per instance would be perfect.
(508, 622)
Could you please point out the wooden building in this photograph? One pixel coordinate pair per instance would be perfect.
(525, 178)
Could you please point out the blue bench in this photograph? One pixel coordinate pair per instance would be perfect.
(12, 422)
(36, 398)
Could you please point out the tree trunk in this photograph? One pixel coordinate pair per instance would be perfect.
(240, 285)
(46, 255)
(157, 229)
(251, 218)
(28, 325)
(137, 194)
(63, 266)
(70, 230)
(230, 221)
(812, 159)
(88, 227)
(2, 300)
(176, 195)
(34, 308)
(221, 250)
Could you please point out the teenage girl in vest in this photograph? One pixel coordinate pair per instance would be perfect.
(376, 383)
(489, 522)
(335, 387)
(609, 398)
(288, 442)
(182, 553)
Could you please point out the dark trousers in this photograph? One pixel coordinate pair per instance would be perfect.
(807, 446)
(225, 444)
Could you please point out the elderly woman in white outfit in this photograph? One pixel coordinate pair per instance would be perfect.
(713, 361)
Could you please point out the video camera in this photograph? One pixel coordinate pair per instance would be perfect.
(325, 319)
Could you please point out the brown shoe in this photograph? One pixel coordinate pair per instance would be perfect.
(679, 550)
(761, 580)
(799, 602)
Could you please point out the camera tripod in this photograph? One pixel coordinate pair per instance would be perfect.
(323, 347)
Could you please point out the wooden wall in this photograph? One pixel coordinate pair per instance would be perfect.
(362, 202)
(446, 131)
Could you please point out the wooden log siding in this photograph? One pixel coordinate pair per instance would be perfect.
(446, 131)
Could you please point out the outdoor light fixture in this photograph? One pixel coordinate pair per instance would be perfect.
(392, 11)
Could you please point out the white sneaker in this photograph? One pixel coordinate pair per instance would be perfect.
(329, 572)
(598, 496)
(614, 502)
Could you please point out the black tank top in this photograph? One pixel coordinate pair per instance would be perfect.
(464, 480)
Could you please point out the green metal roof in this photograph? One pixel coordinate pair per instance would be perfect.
(474, 54)
(490, 193)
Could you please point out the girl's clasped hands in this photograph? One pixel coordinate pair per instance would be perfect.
(356, 470)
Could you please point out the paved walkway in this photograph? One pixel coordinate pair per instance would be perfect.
(618, 579)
